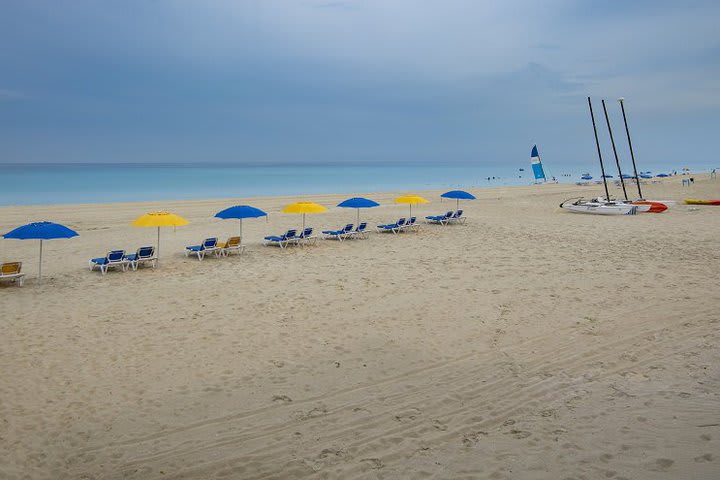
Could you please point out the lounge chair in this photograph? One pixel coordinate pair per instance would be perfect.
(457, 217)
(281, 240)
(113, 259)
(209, 245)
(141, 256)
(441, 219)
(410, 224)
(392, 227)
(232, 245)
(339, 234)
(306, 236)
(11, 272)
(360, 231)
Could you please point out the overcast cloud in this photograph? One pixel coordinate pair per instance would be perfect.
(334, 80)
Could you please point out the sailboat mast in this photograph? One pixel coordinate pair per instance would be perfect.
(632, 155)
(597, 143)
(612, 141)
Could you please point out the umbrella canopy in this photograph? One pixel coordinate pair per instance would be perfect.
(304, 207)
(458, 195)
(159, 219)
(41, 231)
(411, 200)
(358, 203)
(662, 175)
(239, 212)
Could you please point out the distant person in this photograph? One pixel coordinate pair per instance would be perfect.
(713, 174)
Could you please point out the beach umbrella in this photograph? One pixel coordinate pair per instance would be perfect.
(159, 219)
(358, 203)
(239, 212)
(411, 200)
(304, 208)
(458, 195)
(586, 177)
(662, 175)
(41, 231)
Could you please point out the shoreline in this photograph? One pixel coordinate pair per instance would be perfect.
(383, 193)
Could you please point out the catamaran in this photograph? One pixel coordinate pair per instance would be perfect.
(600, 205)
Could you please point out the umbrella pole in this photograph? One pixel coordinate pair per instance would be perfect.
(303, 229)
(40, 266)
(358, 217)
(158, 244)
(241, 231)
(457, 204)
(411, 209)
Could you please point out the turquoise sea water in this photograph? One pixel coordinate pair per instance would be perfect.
(103, 183)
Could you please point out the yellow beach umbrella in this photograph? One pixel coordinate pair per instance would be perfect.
(159, 219)
(412, 200)
(304, 207)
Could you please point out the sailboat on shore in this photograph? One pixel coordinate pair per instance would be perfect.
(599, 205)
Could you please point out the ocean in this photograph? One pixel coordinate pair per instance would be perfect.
(107, 183)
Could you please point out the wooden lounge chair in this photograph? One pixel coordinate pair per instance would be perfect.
(232, 245)
(11, 272)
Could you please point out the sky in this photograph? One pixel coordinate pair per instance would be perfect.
(284, 81)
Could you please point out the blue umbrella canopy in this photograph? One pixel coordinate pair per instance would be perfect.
(458, 195)
(239, 212)
(41, 231)
(662, 175)
(358, 203)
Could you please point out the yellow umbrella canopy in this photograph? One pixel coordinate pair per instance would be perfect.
(304, 207)
(159, 219)
(411, 200)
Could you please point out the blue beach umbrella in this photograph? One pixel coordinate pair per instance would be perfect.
(586, 177)
(662, 175)
(239, 212)
(625, 176)
(41, 231)
(607, 176)
(458, 195)
(358, 203)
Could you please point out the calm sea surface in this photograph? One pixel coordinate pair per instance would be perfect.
(101, 183)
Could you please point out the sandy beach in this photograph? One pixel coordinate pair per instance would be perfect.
(528, 343)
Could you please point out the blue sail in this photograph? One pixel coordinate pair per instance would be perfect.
(536, 164)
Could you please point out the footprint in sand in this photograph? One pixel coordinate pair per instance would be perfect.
(408, 415)
(663, 464)
(704, 458)
(473, 438)
(281, 398)
(373, 463)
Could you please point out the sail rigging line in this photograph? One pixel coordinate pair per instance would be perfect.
(617, 160)
(597, 143)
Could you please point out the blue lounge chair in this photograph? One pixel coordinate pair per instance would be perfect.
(392, 227)
(306, 236)
(457, 217)
(360, 231)
(281, 240)
(143, 255)
(410, 224)
(113, 259)
(441, 219)
(209, 245)
(339, 234)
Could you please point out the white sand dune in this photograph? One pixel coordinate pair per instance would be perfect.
(528, 343)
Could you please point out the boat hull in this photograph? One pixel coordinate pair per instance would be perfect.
(696, 201)
(597, 208)
(650, 206)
